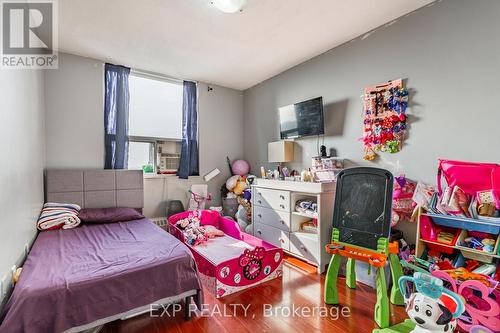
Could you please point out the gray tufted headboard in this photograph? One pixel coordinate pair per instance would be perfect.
(95, 188)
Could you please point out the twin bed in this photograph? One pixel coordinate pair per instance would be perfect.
(77, 279)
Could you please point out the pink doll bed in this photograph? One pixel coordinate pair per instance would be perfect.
(233, 262)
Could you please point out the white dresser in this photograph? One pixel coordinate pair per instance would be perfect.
(275, 220)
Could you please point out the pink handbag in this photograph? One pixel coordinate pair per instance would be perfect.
(471, 177)
(495, 182)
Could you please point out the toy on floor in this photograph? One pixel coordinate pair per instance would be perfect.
(480, 329)
(481, 302)
(236, 194)
(361, 230)
(433, 308)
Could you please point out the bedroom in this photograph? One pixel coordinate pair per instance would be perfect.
(125, 78)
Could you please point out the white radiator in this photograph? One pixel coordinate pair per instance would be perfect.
(160, 221)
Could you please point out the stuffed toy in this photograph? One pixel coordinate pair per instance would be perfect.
(402, 202)
(241, 185)
(241, 217)
(213, 232)
(433, 308)
(192, 230)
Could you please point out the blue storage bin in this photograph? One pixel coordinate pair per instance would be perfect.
(465, 223)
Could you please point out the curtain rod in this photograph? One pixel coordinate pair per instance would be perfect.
(149, 74)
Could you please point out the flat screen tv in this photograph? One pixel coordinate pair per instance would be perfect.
(302, 119)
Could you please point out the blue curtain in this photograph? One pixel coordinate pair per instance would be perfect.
(189, 165)
(116, 116)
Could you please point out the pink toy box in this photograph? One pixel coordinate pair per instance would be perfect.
(233, 262)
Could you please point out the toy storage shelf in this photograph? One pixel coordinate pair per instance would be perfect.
(491, 227)
(312, 216)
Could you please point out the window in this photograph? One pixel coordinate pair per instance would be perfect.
(155, 122)
(140, 154)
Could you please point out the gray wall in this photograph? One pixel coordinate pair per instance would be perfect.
(449, 54)
(75, 127)
(75, 113)
(21, 175)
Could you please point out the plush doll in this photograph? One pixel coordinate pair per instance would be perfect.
(402, 202)
(241, 185)
(241, 217)
(194, 233)
(231, 182)
(213, 232)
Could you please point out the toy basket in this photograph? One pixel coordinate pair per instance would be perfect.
(436, 245)
(487, 226)
(469, 253)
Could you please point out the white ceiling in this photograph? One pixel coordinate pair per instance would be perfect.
(190, 39)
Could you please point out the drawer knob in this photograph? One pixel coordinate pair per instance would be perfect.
(282, 206)
(302, 247)
(259, 215)
(281, 240)
(282, 197)
(282, 222)
(259, 201)
(259, 232)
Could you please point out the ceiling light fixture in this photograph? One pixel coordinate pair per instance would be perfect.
(229, 6)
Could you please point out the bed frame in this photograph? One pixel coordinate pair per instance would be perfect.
(105, 189)
(248, 269)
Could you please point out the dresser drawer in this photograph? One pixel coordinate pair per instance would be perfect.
(274, 218)
(275, 199)
(305, 245)
(274, 236)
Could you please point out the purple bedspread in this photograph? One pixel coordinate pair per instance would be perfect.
(74, 277)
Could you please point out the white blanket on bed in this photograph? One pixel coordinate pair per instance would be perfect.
(220, 249)
(58, 215)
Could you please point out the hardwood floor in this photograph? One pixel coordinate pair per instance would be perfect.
(300, 286)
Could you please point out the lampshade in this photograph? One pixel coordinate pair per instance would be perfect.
(280, 151)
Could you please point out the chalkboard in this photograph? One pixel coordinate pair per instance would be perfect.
(363, 203)
(302, 119)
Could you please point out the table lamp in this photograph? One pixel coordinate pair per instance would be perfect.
(280, 152)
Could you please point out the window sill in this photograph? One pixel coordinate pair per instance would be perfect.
(155, 175)
(162, 176)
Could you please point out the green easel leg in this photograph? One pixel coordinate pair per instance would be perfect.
(382, 305)
(396, 273)
(331, 292)
(350, 275)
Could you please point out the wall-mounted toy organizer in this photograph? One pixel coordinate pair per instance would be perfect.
(361, 230)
